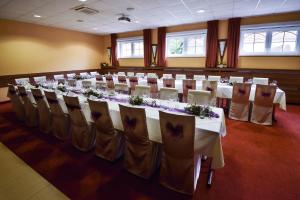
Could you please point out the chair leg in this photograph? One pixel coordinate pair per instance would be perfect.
(210, 175)
(273, 114)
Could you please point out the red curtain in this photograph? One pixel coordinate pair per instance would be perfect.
(212, 44)
(114, 58)
(147, 47)
(161, 46)
(233, 42)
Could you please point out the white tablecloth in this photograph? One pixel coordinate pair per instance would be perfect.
(208, 133)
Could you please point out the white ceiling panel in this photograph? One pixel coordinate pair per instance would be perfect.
(146, 13)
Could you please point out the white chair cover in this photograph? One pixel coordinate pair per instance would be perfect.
(71, 76)
(43, 110)
(93, 74)
(236, 79)
(58, 76)
(180, 167)
(72, 82)
(199, 77)
(99, 77)
(140, 75)
(152, 82)
(122, 88)
(180, 76)
(31, 114)
(262, 112)
(16, 101)
(199, 97)
(86, 84)
(169, 82)
(141, 156)
(82, 133)
(187, 84)
(167, 76)
(122, 79)
(60, 121)
(239, 107)
(261, 81)
(22, 81)
(214, 78)
(84, 74)
(109, 142)
(152, 75)
(110, 82)
(133, 81)
(211, 86)
(130, 74)
(121, 74)
(142, 90)
(168, 93)
(101, 85)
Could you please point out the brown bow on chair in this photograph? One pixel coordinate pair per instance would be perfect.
(241, 91)
(168, 85)
(52, 101)
(38, 97)
(189, 87)
(209, 89)
(96, 115)
(176, 132)
(130, 122)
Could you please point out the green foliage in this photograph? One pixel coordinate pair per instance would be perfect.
(136, 100)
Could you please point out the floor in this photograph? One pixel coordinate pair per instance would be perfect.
(20, 181)
(262, 162)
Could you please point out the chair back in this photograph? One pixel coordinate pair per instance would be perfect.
(101, 116)
(180, 76)
(58, 76)
(71, 75)
(140, 75)
(53, 102)
(241, 93)
(133, 81)
(40, 79)
(17, 104)
(141, 90)
(199, 77)
(180, 168)
(168, 93)
(122, 88)
(110, 81)
(94, 73)
(86, 84)
(121, 74)
(22, 81)
(169, 82)
(30, 109)
(214, 78)
(199, 97)
(76, 115)
(122, 79)
(99, 77)
(101, 85)
(84, 74)
(167, 76)
(134, 124)
(188, 84)
(72, 82)
(264, 95)
(261, 81)
(236, 79)
(152, 75)
(130, 74)
(211, 86)
(61, 81)
(152, 82)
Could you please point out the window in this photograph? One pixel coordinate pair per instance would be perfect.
(130, 47)
(270, 39)
(186, 44)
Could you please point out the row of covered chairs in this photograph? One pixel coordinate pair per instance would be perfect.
(142, 156)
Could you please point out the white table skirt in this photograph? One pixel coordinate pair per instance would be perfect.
(224, 91)
(208, 133)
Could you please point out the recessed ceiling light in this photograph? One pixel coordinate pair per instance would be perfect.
(200, 11)
(37, 16)
(136, 21)
(82, 0)
(95, 28)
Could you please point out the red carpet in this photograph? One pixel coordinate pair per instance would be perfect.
(261, 163)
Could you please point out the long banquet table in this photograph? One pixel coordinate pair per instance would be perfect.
(208, 131)
(224, 90)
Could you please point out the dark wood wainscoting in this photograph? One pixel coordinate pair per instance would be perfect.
(4, 80)
(288, 80)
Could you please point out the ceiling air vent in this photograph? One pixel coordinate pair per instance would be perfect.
(86, 10)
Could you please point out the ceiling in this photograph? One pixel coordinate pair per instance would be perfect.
(146, 13)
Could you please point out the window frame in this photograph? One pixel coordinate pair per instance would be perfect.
(269, 29)
(130, 40)
(185, 35)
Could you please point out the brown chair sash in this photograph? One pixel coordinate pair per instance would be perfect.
(176, 132)
(130, 122)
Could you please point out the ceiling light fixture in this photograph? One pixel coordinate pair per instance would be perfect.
(37, 16)
(200, 11)
(95, 28)
(82, 0)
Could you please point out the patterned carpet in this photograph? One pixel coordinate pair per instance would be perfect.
(261, 163)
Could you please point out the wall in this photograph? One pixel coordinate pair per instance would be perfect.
(28, 48)
(257, 62)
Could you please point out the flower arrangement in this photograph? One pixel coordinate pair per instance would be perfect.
(201, 111)
(91, 92)
(61, 88)
(136, 100)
